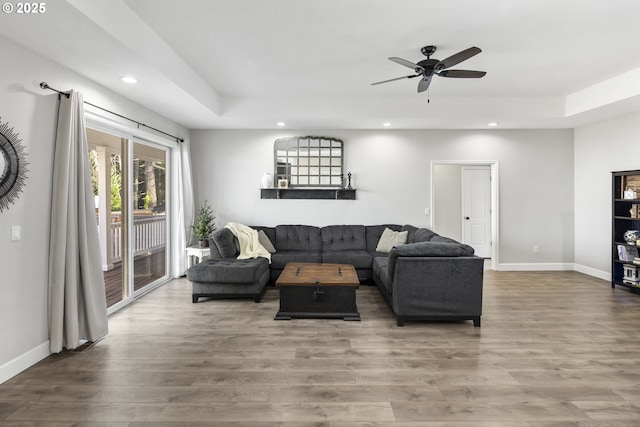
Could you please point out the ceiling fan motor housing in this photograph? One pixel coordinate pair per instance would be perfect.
(428, 65)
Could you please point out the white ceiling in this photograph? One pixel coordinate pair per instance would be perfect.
(251, 63)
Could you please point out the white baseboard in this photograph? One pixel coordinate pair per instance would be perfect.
(24, 361)
(593, 272)
(560, 266)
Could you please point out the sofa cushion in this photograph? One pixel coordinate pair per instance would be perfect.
(231, 271)
(298, 238)
(281, 258)
(391, 238)
(381, 271)
(359, 258)
(422, 235)
(225, 242)
(373, 233)
(343, 237)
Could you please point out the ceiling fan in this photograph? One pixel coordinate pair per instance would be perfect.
(427, 68)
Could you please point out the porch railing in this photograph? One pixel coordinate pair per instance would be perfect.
(148, 234)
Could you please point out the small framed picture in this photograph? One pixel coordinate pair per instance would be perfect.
(283, 183)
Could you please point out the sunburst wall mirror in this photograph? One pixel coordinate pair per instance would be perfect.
(13, 166)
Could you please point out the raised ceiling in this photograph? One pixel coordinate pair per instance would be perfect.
(251, 63)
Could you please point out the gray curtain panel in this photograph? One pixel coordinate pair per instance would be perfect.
(77, 302)
(183, 208)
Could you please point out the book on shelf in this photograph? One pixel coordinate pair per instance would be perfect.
(627, 253)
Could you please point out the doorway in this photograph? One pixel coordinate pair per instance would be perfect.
(129, 179)
(464, 204)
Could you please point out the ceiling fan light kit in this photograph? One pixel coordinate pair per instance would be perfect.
(427, 68)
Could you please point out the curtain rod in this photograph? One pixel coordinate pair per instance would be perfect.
(44, 85)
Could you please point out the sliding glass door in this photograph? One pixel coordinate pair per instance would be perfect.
(130, 186)
(149, 198)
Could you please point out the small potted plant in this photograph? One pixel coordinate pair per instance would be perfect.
(205, 224)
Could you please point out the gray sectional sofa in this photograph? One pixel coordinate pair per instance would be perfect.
(429, 278)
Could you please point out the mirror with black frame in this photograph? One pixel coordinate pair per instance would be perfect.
(12, 166)
(309, 162)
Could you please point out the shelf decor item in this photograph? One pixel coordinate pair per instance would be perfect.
(631, 274)
(631, 236)
(267, 180)
(630, 192)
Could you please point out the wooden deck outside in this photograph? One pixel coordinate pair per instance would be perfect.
(147, 268)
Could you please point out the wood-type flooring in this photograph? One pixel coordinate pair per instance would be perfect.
(555, 349)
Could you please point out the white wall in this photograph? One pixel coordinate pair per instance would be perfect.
(32, 113)
(600, 149)
(447, 200)
(391, 173)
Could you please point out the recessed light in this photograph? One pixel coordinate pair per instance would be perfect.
(129, 79)
(492, 124)
(281, 124)
(386, 124)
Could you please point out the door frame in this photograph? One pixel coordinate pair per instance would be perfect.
(495, 214)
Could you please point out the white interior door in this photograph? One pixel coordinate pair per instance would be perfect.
(476, 209)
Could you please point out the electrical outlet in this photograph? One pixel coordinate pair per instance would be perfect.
(15, 233)
(536, 249)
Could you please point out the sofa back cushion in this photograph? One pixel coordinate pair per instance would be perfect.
(373, 233)
(343, 237)
(422, 235)
(298, 238)
(428, 249)
(441, 239)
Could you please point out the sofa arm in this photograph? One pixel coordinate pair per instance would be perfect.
(438, 286)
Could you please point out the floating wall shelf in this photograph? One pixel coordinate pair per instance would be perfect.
(308, 193)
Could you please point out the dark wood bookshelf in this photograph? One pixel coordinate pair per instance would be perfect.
(622, 221)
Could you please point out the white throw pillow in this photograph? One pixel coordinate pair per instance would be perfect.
(391, 238)
(264, 241)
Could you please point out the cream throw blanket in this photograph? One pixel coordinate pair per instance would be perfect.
(250, 247)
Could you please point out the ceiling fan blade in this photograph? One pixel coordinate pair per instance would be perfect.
(462, 74)
(424, 84)
(397, 78)
(405, 63)
(458, 57)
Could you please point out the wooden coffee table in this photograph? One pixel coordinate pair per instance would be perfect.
(320, 291)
